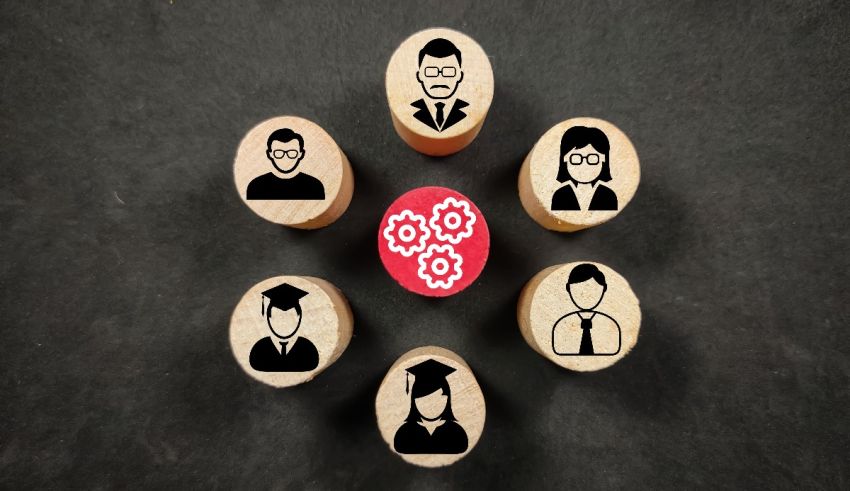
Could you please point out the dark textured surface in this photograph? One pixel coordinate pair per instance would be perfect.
(125, 246)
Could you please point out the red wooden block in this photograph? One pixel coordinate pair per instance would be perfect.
(434, 241)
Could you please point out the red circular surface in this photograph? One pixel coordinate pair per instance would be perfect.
(434, 241)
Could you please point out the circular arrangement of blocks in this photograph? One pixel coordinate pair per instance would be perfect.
(434, 241)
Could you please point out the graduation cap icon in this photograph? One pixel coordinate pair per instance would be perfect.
(284, 297)
(429, 376)
(413, 436)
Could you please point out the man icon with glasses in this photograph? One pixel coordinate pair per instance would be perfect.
(439, 74)
(285, 150)
(584, 164)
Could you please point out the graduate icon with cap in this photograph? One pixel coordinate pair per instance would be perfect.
(284, 350)
(430, 426)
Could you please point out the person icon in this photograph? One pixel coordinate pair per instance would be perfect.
(430, 426)
(285, 150)
(584, 164)
(586, 332)
(439, 74)
(283, 350)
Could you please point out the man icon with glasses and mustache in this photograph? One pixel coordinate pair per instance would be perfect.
(439, 74)
(584, 163)
(285, 150)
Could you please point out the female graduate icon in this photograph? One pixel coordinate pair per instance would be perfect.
(284, 350)
(430, 426)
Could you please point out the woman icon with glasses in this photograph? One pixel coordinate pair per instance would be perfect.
(583, 165)
(285, 150)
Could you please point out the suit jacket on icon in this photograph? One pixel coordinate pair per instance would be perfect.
(265, 357)
(454, 116)
(565, 199)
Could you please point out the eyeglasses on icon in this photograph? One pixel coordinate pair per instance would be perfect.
(279, 154)
(591, 159)
(446, 71)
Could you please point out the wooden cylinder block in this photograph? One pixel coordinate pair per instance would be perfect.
(581, 173)
(439, 88)
(434, 241)
(291, 172)
(582, 316)
(287, 329)
(430, 408)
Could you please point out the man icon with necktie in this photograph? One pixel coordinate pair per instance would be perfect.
(586, 331)
(284, 350)
(439, 74)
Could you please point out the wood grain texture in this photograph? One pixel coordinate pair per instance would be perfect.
(538, 177)
(327, 322)
(323, 160)
(392, 403)
(403, 89)
(545, 302)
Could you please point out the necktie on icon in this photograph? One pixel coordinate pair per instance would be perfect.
(283, 347)
(586, 347)
(440, 117)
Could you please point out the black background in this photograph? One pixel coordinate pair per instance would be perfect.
(125, 245)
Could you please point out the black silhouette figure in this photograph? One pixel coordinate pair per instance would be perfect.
(436, 431)
(586, 332)
(584, 162)
(283, 351)
(285, 150)
(439, 74)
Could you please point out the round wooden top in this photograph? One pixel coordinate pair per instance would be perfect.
(287, 329)
(582, 172)
(582, 316)
(434, 241)
(439, 87)
(291, 172)
(429, 407)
